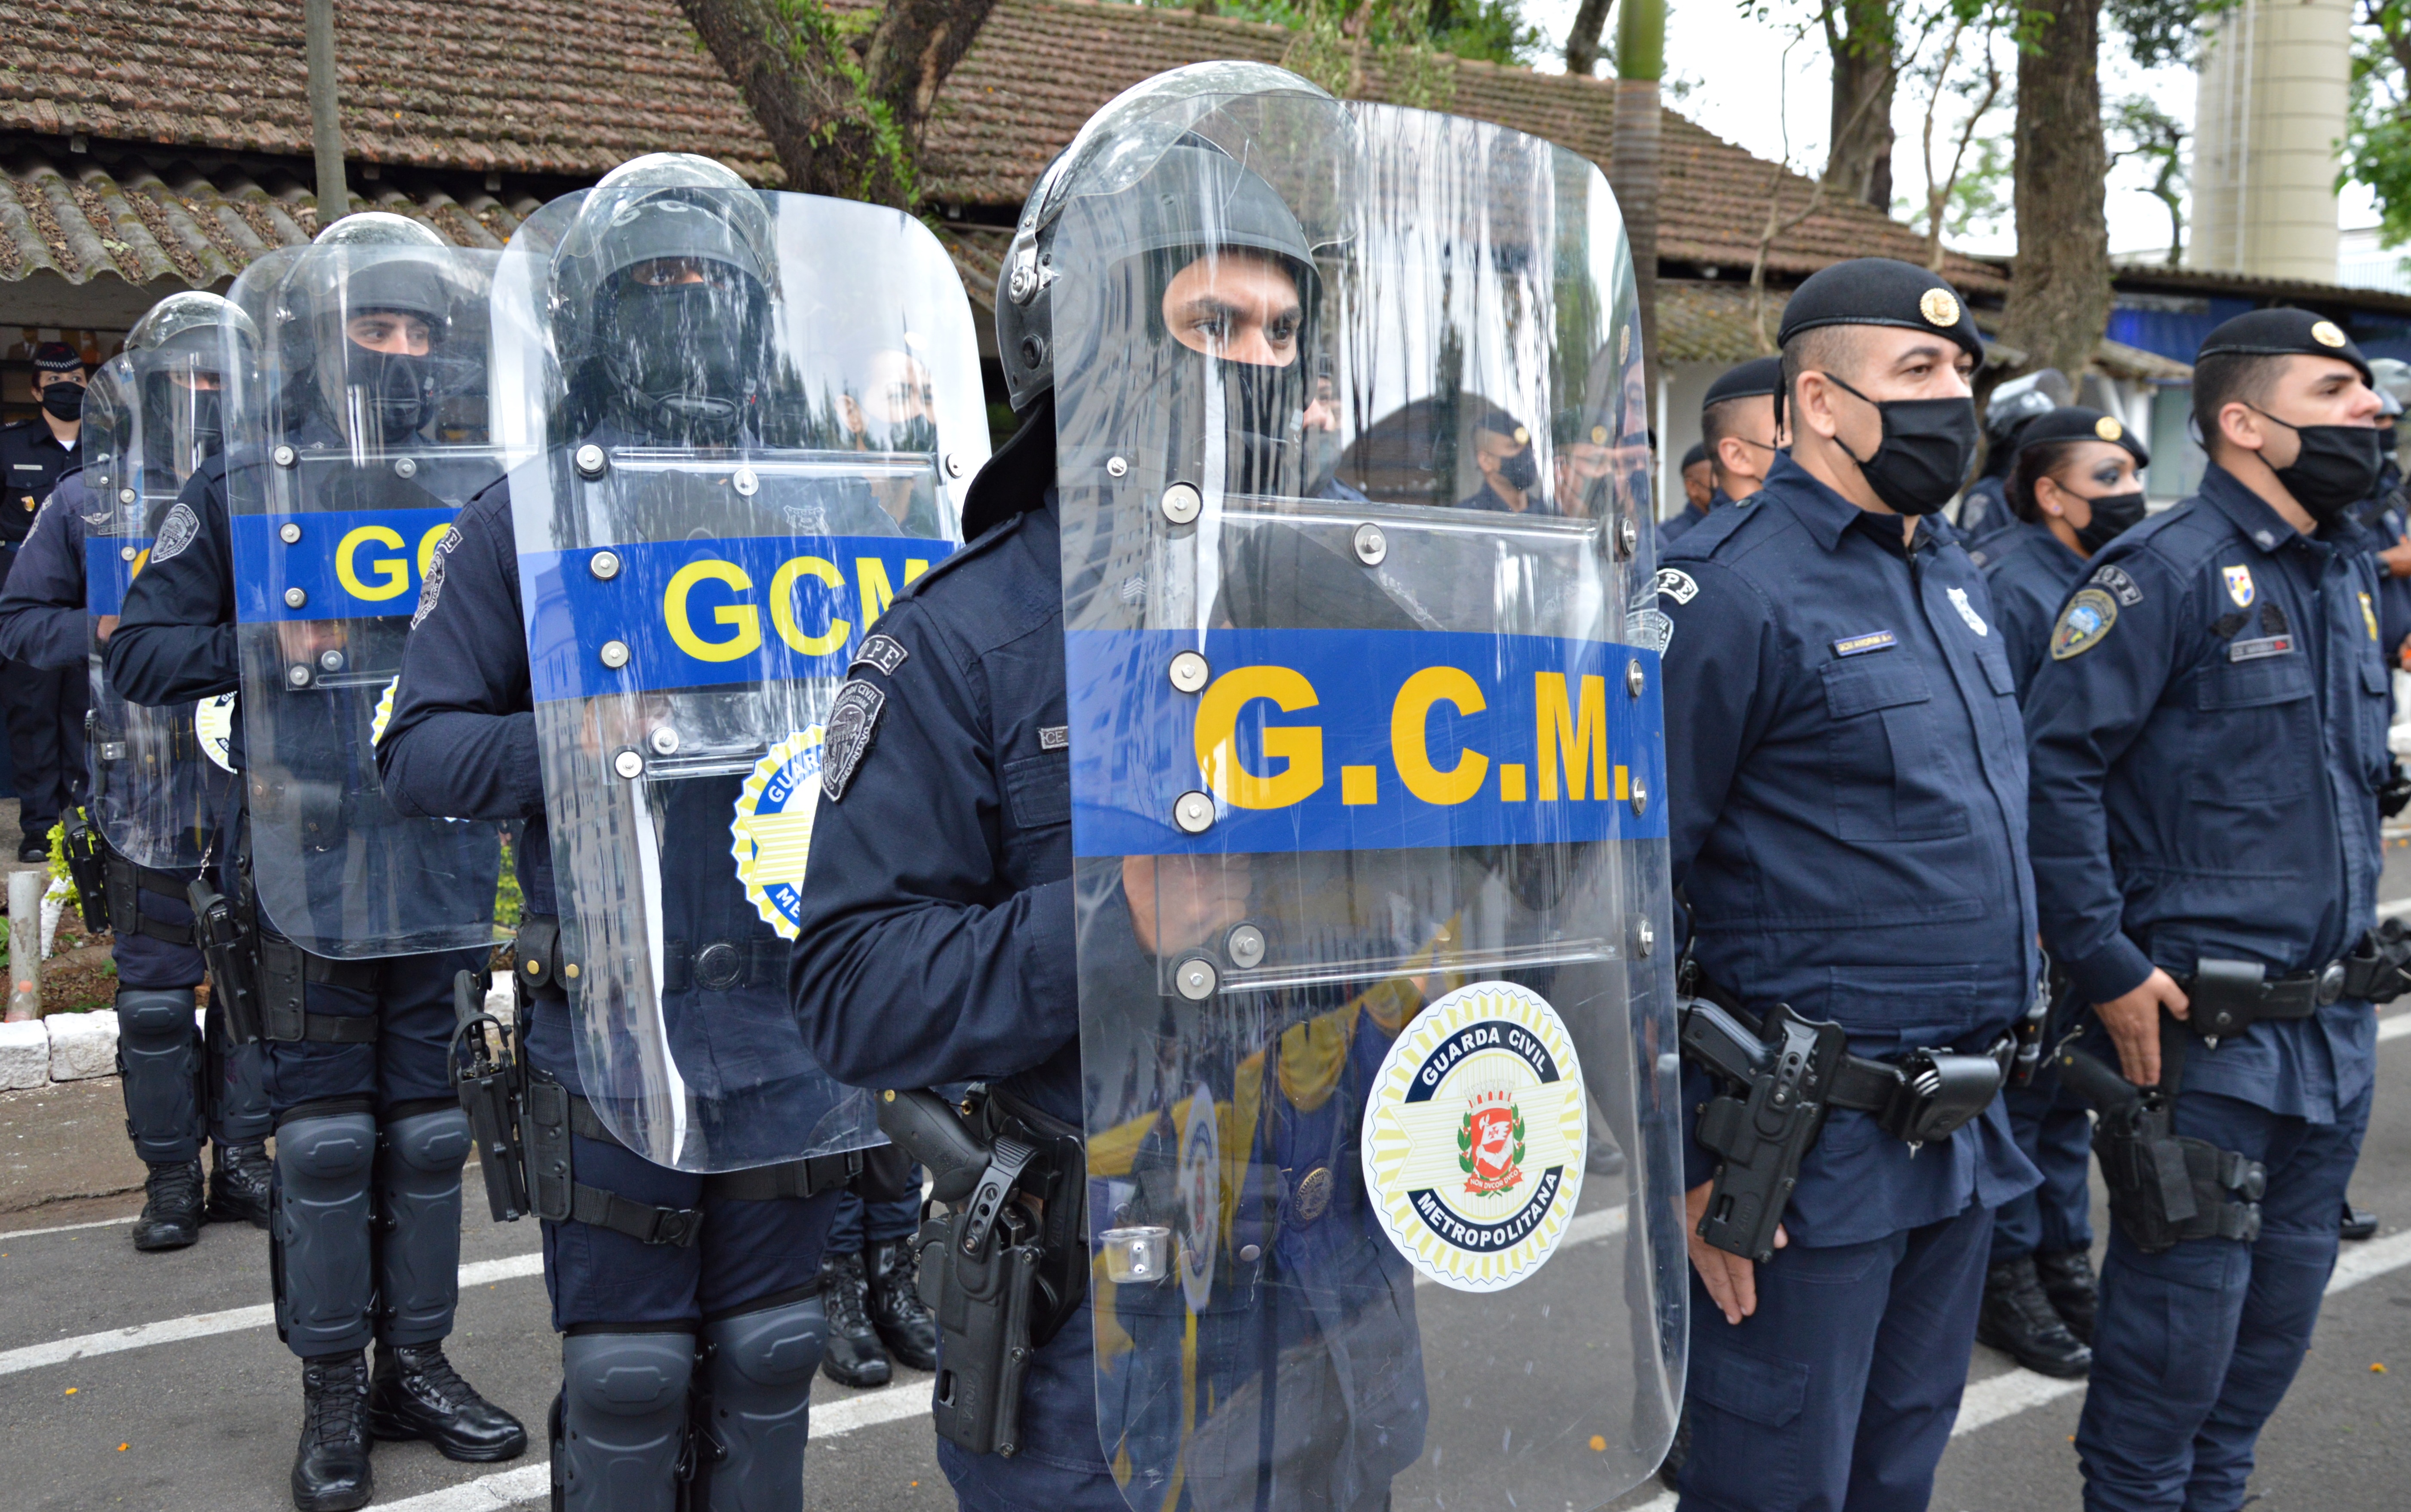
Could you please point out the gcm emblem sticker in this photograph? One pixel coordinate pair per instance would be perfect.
(1474, 1137)
(771, 834)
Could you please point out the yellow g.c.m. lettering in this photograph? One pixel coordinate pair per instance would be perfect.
(744, 617)
(1299, 745)
(1572, 744)
(877, 591)
(394, 569)
(782, 606)
(1408, 716)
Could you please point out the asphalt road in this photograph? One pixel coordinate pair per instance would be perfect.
(178, 1395)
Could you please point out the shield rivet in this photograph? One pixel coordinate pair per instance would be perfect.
(628, 765)
(1196, 978)
(1115, 467)
(298, 674)
(1636, 681)
(285, 457)
(664, 741)
(603, 565)
(295, 598)
(954, 464)
(330, 659)
(570, 970)
(289, 532)
(1628, 537)
(1252, 1253)
(125, 496)
(1640, 794)
(1646, 938)
(590, 461)
(1245, 945)
(127, 553)
(1189, 672)
(1193, 812)
(746, 484)
(1181, 503)
(1371, 545)
(405, 467)
(615, 654)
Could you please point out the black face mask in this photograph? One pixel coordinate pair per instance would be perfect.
(2113, 516)
(1520, 471)
(1928, 445)
(680, 358)
(393, 392)
(2336, 468)
(63, 402)
(1265, 409)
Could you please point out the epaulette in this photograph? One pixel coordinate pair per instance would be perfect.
(990, 539)
(1702, 540)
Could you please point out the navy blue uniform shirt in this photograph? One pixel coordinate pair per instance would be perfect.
(42, 619)
(2031, 573)
(2207, 739)
(1670, 531)
(1984, 509)
(1847, 783)
(32, 461)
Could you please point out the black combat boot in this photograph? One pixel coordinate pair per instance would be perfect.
(909, 1329)
(2067, 1276)
(416, 1393)
(2357, 1223)
(852, 1356)
(171, 1207)
(330, 1469)
(239, 1178)
(2018, 1320)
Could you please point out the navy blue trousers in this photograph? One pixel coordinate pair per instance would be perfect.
(2195, 1346)
(412, 1001)
(2052, 1127)
(1840, 1390)
(232, 1091)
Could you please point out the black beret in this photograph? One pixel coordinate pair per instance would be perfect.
(2282, 333)
(2076, 423)
(57, 356)
(1758, 378)
(1694, 458)
(1500, 423)
(1880, 291)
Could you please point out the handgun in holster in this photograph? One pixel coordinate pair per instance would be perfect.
(87, 867)
(230, 944)
(1763, 1125)
(486, 1075)
(2031, 1029)
(2164, 1187)
(1002, 1276)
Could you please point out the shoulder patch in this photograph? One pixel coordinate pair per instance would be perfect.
(2083, 623)
(852, 720)
(176, 532)
(1673, 582)
(1649, 628)
(1968, 611)
(432, 588)
(883, 652)
(2114, 579)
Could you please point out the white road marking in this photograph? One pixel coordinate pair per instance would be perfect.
(232, 1320)
(68, 1227)
(2393, 1029)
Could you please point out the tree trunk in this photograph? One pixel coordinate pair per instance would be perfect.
(840, 125)
(1860, 34)
(2060, 284)
(1582, 38)
(1640, 62)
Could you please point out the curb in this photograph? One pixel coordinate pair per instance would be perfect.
(83, 1047)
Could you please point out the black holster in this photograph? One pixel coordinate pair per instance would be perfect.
(2164, 1187)
(2380, 968)
(486, 1074)
(125, 884)
(1002, 1278)
(228, 940)
(81, 841)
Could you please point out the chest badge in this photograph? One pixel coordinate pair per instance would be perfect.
(2083, 623)
(1967, 612)
(771, 832)
(2239, 585)
(2369, 615)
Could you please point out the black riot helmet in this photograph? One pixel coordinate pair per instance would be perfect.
(180, 357)
(2015, 404)
(662, 288)
(361, 326)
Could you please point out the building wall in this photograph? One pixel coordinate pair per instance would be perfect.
(2271, 106)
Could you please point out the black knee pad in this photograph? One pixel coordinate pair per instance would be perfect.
(623, 1420)
(418, 1224)
(756, 1404)
(159, 1058)
(326, 1283)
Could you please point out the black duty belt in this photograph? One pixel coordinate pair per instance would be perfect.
(680, 1226)
(283, 967)
(128, 882)
(716, 965)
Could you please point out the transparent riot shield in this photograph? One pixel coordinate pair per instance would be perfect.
(1367, 765)
(755, 415)
(155, 799)
(361, 437)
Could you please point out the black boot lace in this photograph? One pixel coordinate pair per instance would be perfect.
(335, 1402)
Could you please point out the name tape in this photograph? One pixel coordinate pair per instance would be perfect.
(695, 614)
(1362, 740)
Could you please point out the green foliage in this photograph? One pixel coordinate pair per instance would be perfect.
(59, 854)
(1492, 30)
(2377, 125)
(2136, 127)
(508, 904)
(820, 43)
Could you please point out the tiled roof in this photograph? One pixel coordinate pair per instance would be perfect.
(573, 87)
(526, 86)
(78, 218)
